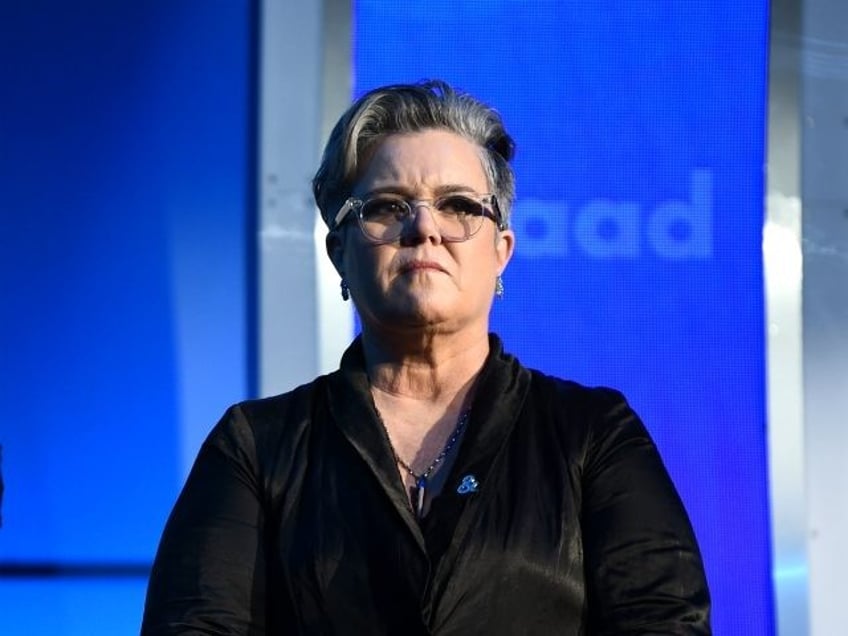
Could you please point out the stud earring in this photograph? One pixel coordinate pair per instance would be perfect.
(345, 290)
(499, 287)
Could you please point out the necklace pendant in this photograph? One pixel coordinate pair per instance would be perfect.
(420, 490)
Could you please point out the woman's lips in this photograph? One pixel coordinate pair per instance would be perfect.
(416, 266)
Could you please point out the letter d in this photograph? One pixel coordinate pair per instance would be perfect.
(697, 217)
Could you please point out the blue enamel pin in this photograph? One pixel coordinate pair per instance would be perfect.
(468, 485)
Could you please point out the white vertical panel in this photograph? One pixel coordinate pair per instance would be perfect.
(303, 41)
(783, 269)
(336, 324)
(825, 240)
(808, 323)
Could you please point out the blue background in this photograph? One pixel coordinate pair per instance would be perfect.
(125, 144)
(618, 105)
(127, 206)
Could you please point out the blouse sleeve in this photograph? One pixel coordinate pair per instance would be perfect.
(643, 566)
(209, 573)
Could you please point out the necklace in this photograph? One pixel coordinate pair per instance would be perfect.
(421, 479)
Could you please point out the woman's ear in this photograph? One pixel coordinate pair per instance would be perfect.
(504, 247)
(335, 250)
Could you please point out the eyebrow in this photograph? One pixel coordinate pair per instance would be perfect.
(438, 191)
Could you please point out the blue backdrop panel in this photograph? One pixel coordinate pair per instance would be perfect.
(124, 196)
(71, 607)
(640, 133)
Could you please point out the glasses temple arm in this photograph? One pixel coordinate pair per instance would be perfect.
(347, 207)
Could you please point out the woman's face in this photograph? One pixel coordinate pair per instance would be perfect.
(421, 282)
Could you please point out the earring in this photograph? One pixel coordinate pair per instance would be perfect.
(499, 287)
(345, 290)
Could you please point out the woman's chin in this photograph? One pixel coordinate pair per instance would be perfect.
(418, 316)
(413, 314)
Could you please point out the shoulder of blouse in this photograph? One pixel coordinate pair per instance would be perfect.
(598, 420)
(262, 436)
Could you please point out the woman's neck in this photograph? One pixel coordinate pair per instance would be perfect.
(434, 368)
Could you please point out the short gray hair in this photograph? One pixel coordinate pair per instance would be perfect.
(404, 108)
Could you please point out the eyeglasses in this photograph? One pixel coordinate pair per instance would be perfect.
(383, 217)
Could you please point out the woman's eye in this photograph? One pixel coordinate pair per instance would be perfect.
(377, 208)
(460, 206)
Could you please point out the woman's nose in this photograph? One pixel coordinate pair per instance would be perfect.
(422, 224)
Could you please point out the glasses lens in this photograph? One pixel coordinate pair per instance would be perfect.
(383, 217)
(458, 216)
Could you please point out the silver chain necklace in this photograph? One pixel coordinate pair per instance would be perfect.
(421, 479)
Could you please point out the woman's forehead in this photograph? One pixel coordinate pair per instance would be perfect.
(429, 160)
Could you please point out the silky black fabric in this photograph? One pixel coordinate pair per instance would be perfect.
(294, 520)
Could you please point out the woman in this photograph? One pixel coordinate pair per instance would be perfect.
(431, 485)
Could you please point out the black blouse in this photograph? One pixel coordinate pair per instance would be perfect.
(294, 520)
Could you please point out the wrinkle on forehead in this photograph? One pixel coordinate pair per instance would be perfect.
(424, 163)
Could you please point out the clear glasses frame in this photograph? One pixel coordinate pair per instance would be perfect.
(383, 218)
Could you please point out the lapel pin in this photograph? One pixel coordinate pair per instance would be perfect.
(468, 485)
